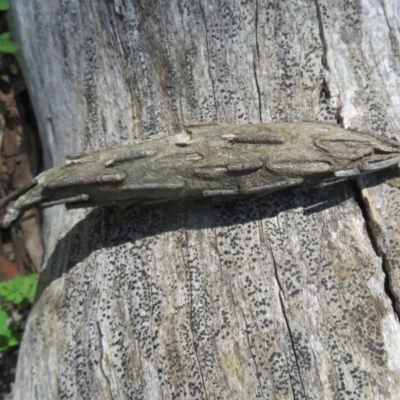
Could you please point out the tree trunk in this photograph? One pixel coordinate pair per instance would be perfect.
(287, 296)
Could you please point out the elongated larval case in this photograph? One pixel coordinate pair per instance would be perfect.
(205, 161)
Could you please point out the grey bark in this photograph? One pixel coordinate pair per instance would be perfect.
(279, 297)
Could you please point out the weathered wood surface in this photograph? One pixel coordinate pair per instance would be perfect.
(278, 297)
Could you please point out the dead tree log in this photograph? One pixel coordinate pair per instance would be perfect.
(287, 296)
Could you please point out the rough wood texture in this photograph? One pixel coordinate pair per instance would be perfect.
(280, 297)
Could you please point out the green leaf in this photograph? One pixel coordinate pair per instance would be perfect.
(14, 340)
(4, 328)
(6, 290)
(3, 343)
(34, 278)
(21, 289)
(4, 5)
(5, 36)
(18, 298)
(6, 45)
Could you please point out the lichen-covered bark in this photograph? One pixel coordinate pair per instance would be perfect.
(277, 297)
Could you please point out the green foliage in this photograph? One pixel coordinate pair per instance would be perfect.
(4, 5)
(6, 45)
(16, 295)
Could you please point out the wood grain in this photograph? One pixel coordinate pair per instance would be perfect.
(280, 297)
